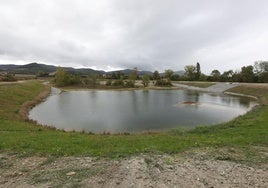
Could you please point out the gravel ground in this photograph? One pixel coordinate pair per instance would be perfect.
(137, 171)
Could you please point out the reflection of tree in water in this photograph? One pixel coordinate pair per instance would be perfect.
(228, 100)
(145, 99)
(240, 101)
(191, 96)
(244, 101)
(134, 101)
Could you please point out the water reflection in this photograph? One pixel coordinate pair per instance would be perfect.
(133, 111)
(192, 96)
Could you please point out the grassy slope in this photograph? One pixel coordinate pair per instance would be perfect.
(19, 136)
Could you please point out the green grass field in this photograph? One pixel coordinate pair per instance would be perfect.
(245, 133)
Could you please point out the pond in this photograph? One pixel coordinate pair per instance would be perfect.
(136, 111)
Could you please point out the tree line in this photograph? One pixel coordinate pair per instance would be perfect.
(119, 79)
(256, 73)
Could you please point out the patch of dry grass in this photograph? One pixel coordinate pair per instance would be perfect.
(258, 90)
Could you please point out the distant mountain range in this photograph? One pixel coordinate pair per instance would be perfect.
(34, 68)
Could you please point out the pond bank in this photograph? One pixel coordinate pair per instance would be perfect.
(28, 105)
(233, 154)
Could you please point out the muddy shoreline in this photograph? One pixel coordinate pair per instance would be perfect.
(28, 105)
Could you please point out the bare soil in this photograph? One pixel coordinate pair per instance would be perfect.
(156, 170)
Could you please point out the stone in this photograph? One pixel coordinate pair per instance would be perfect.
(70, 173)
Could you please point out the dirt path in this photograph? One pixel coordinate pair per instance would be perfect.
(16, 82)
(217, 88)
(139, 171)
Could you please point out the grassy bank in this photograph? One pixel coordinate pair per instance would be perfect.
(16, 135)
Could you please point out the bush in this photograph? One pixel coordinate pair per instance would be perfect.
(145, 80)
(108, 83)
(118, 83)
(163, 82)
(61, 78)
(9, 78)
(74, 79)
(91, 80)
(130, 84)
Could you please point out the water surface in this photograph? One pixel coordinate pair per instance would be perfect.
(136, 111)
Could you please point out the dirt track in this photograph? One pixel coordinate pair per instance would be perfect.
(217, 88)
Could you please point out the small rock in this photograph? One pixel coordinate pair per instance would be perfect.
(170, 167)
(101, 182)
(70, 173)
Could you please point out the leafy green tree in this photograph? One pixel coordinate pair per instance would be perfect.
(132, 78)
(145, 80)
(134, 74)
(156, 75)
(114, 76)
(263, 77)
(261, 70)
(190, 72)
(169, 73)
(91, 80)
(216, 75)
(198, 71)
(236, 77)
(260, 67)
(175, 77)
(119, 75)
(61, 77)
(247, 74)
(227, 76)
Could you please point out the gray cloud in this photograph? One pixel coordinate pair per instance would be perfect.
(148, 34)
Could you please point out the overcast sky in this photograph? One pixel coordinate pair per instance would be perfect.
(148, 34)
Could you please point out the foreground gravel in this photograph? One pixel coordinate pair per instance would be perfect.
(139, 171)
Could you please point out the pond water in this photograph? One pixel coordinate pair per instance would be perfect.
(136, 111)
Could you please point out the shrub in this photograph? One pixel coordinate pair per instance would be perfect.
(9, 78)
(163, 82)
(108, 83)
(130, 83)
(118, 83)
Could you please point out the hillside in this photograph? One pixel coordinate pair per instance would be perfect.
(34, 68)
